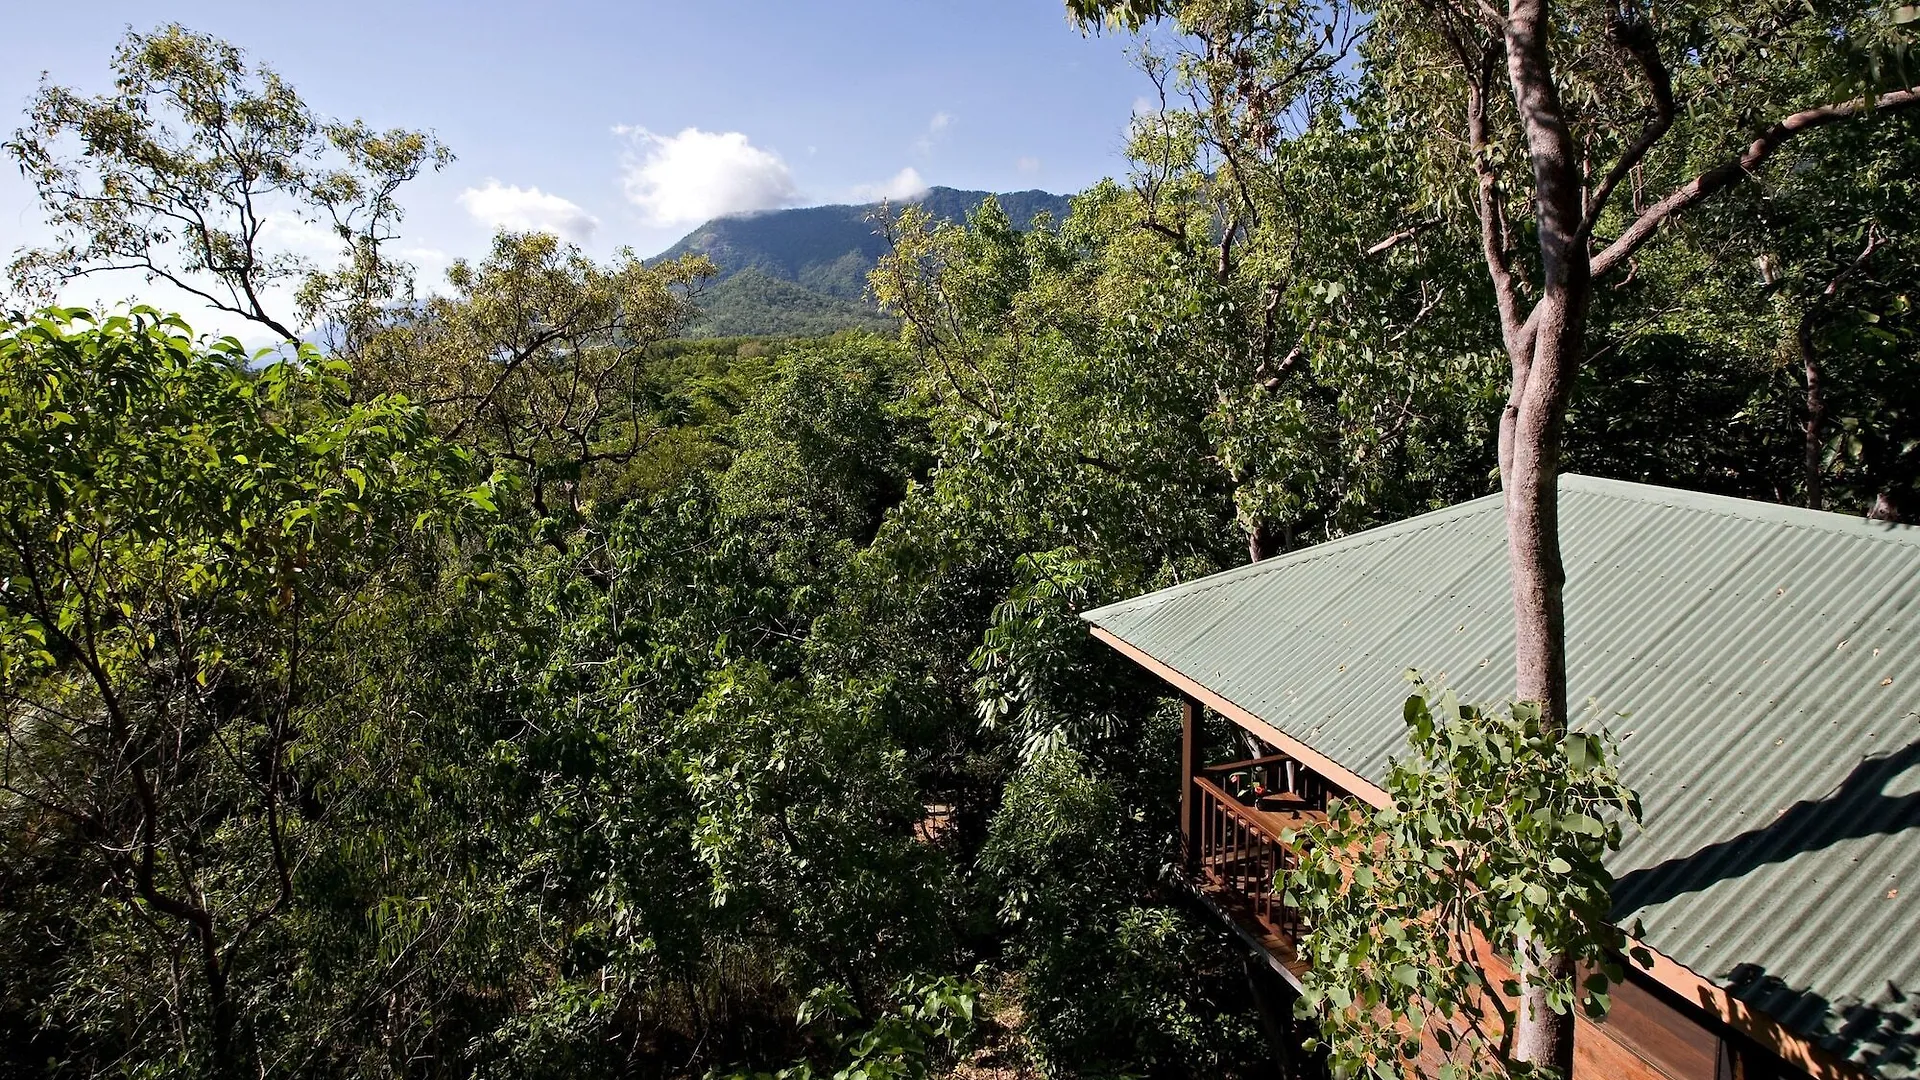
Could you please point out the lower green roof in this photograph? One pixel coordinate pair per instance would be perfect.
(1768, 659)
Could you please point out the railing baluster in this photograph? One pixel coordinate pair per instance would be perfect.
(1206, 831)
(1200, 834)
(1240, 854)
(1212, 836)
(1231, 863)
(1266, 882)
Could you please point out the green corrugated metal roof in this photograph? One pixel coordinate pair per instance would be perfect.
(1769, 660)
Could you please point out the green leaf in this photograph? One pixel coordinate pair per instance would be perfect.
(1582, 824)
(1582, 751)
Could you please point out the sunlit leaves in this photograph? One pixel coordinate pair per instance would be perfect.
(1497, 833)
(186, 536)
(193, 163)
(536, 360)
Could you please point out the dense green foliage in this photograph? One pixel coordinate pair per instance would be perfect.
(190, 544)
(527, 690)
(1496, 834)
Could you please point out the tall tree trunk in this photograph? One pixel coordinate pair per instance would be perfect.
(1263, 542)
(1546, 351)
(1529, 477)
(220, 1010)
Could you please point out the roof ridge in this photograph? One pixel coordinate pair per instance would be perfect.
(1733, 506)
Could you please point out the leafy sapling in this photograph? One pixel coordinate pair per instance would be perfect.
(1494, 841)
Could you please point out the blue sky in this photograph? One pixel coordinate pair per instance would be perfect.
(625, 123)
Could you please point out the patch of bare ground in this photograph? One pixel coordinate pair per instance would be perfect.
(1003, 1052)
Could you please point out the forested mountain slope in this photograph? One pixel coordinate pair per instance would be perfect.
(804, 271)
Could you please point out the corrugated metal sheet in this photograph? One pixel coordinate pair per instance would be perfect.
(1768, 658)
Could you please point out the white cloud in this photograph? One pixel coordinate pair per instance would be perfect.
(924, 144)
(1028, 165)
(287, 231)
(900, 187)
(1145, 107)
(508, 206)
(696, 175)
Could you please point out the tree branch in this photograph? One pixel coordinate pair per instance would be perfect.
(1493, 232)
(1635, 35)
(1402, 237)
(1732, 172)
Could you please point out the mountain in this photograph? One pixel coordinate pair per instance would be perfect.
(804, 271)
(755, 303)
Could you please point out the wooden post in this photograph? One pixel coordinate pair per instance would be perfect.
(1190, 750)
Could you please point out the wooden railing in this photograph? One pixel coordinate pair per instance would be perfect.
(1232, 851)
(1279, 773)
(1236, 852)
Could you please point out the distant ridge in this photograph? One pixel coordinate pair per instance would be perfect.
(804, 271)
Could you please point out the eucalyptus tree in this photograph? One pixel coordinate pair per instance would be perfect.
(1561, 130)
(535, 359)
(185, 538)
(202, 169)
(1338, 355)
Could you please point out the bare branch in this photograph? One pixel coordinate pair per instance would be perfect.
(1401, 237)
(1493, 229)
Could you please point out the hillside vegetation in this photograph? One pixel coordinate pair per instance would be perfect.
(502, 685)
(755, 302)
(805, 270)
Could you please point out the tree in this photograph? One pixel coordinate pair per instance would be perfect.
(184, 536)
(1549, 115)
(1249, 176)
(191, 166)
(1835, 248)
(1581, 237)
(535, 360)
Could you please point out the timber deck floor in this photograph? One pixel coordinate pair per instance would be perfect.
(1233, 907)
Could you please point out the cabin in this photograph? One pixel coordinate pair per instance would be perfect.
(1767, 663)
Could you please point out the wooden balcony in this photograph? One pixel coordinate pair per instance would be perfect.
(1238, 814)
